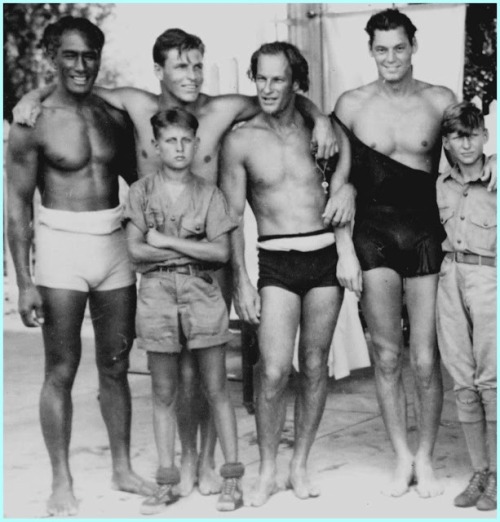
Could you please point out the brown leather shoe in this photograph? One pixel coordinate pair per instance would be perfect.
(488, 500)
(471, 494)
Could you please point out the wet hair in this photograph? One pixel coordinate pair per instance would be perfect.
(179, 117)
(390, 19)
(298, 64)
(51, 39)
(175, 39)
(463, 118)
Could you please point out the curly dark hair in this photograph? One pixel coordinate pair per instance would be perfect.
(51, 39)
(390, 19)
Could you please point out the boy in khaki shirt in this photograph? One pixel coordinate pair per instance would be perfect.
(466, 301)
(177, 235)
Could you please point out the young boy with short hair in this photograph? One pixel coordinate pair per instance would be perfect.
(177, 235)
(466, 299)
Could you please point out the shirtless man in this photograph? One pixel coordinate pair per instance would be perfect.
(74, 155)
(270, 157)
(391, 145)
(178, 64)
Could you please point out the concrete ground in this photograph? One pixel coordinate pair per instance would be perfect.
(351, 458)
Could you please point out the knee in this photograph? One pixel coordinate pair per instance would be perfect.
(489, 400)
(313, 369)
(61, 376)
(216, 392)
(114, 364)
(388, 358)
(164, 394)
(273, 378)
(469, 405)
(424, 365)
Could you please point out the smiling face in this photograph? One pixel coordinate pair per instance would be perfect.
(393, 54)
(77, 63)
(182, 74)
(176, 146)
(275, 88)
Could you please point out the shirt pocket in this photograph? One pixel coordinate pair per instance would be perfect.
(445, 214)
(193, 228)
(155, 218)
(482, 232)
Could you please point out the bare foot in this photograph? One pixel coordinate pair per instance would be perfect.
(266, 487)
(188, 475)
(62, 502)
(299, 482)
(402, 478)
(209, 481)
(427, 484)
(133, 483)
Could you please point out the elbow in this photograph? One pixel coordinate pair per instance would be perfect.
(134, 254)
(222, 255)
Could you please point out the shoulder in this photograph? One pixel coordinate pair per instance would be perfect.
(438, 95)
(143, 186)
(352, 101)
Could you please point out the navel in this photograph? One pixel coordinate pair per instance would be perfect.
(425, 143)
(144, 154)
(373, 145)
(207, 159)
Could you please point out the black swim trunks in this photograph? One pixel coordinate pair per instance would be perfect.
(397, 219)
(298, 272)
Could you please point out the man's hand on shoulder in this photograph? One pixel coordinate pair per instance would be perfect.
(247, 302)
(490, 172)
(27, 110)
(341, 206)
(30, 306)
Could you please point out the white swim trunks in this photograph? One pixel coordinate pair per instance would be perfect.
(82, 250)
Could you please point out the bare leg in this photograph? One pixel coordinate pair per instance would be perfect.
(164, 375)
(278, 326)
(421, 304)
(213, 376)
(382, 308)
(113, 315)
(193, 411)
(320, 310)
(64, 311)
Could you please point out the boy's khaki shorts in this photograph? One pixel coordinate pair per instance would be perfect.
(180, 309)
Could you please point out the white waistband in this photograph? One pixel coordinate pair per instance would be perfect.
(302, 244)
(95, 222)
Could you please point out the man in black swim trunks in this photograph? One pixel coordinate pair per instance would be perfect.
(270, 157)
(391, 145)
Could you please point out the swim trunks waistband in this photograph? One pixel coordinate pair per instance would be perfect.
(96, 222)
(303, 242)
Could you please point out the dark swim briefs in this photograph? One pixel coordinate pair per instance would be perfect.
(298, 272)
(397, 220)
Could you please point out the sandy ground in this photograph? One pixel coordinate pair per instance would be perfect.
(351, 458)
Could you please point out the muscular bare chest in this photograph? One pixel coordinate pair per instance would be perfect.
(406, 130)
(75, 139)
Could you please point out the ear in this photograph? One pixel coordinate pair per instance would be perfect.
(446, 142)
(158, 71)
(414, 45)
(196, 142)
(155, 144)
(486, 135)
(370, 49)
(295, 86)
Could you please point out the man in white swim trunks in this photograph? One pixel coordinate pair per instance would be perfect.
(74, 155)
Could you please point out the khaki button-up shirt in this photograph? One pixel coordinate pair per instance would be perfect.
(468, 214)
(199, 212)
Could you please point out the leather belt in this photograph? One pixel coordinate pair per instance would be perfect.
(472, 259)
(190, 269)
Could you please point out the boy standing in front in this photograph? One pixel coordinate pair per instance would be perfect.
(177, 234)
(466, 301)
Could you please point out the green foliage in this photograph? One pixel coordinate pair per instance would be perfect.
(481, 53)
(25, 65)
